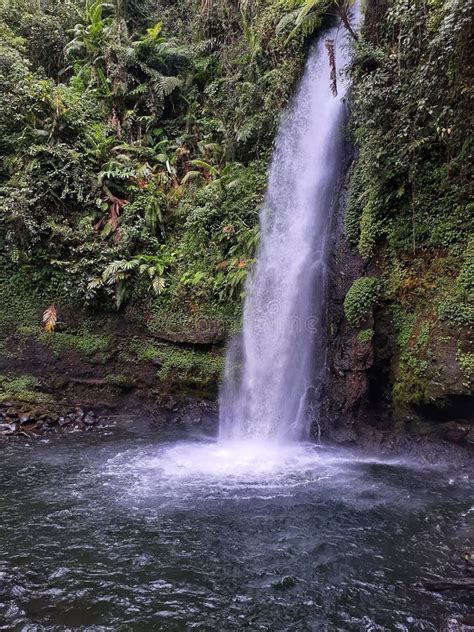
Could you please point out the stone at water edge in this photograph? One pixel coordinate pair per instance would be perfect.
(90, 419)
(8, 428)
(454, 431)
(284, 583)
(462, 624)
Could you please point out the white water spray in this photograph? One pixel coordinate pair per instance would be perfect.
(273, 374)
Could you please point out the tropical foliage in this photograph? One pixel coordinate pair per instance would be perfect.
(305, 16)
(133, 154)
(135, 138)
(410, 215)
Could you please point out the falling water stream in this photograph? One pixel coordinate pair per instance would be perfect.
(130, 528)
(283, 341)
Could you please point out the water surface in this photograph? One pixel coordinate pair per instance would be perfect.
(128, 529)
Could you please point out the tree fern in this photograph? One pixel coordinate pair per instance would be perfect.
(308, 15)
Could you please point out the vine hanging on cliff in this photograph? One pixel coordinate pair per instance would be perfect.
(329, 43)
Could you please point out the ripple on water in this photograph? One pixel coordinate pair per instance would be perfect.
(200, 535)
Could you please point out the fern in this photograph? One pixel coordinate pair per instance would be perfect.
(202, 164)
(191, 175)
(169, 85)
(158, 285)
(142, 88)
(307, 17)
(50, 316)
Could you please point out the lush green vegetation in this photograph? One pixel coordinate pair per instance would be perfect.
(134, 143)
(410, 214)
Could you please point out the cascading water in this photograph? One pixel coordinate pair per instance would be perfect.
(273, 374)
(160, 527)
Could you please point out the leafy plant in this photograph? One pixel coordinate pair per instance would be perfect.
(119, 273)
(307, 15)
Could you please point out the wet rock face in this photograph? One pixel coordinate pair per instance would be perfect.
(455, 431)
(350, 360)
(194, 413)
(349, 377)
(445, 376)
(364, 373)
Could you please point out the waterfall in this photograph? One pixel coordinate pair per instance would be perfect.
(274, 369)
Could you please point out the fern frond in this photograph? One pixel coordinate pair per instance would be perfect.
(158, 285)
(142, 88)
(50, 316)
(131, 264)
(286, 20)
(202, 164)
(169, 85)
(192, 175)
(95, 283)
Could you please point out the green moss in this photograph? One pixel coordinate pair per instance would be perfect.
(22, 388)
(354, 207)
(5, 351)
(369, 230)
(365, 335)
(182, 315)
(198, 368)
(18, 306)
(466, 362)
(423, 335)
(465, 280)
(120, 380)
(179, 367)
(145, 350)
(395, 276)
(85, 342)
(403, 322)
(413, 339)
(409, 387)
(361, 299)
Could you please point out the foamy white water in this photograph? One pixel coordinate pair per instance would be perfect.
(192, 471)
(273, 375)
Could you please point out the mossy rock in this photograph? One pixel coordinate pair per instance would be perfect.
(361, 299)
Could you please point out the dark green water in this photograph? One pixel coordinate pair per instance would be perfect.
(122, 530)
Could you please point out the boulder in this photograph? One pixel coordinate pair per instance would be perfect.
(453, 431)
